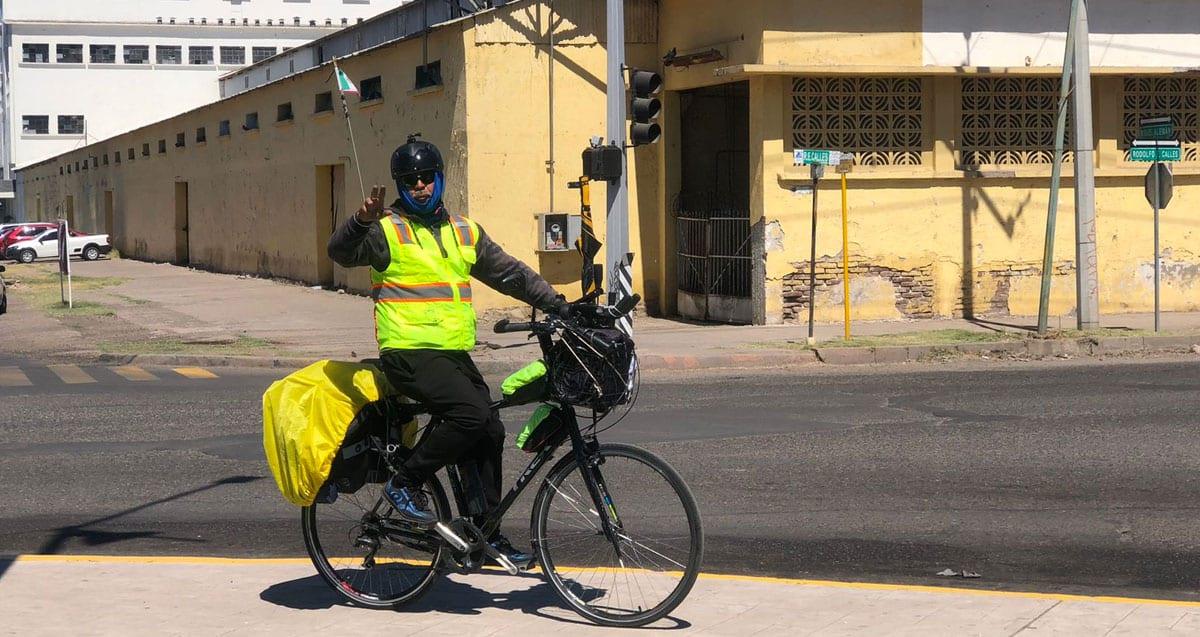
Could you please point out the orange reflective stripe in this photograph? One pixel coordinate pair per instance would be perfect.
(464, 291)
(402, 229)
(466, 236)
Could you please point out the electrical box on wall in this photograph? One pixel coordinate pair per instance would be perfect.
(557, 231)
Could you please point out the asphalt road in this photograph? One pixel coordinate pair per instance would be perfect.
(1052, 477)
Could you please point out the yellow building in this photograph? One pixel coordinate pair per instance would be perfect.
(949, 110)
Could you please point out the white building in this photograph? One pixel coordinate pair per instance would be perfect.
(77, 71)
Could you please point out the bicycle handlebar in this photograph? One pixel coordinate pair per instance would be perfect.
(623, 307)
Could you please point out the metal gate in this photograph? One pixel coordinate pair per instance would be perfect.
(714, 260)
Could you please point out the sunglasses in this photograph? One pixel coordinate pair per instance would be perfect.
(410, 181)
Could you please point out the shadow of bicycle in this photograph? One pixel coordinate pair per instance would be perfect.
(450, 596)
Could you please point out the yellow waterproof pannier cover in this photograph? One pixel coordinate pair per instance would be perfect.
(305, 417)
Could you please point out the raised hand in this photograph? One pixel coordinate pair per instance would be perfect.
(373, 209)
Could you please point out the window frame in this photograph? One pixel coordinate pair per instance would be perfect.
(255, 51)
(159, 58)
(223, 128)
(126, 50)
(25, 53)
(251, 121)
(70, 118)
(367, 95)
(93, 48)
(241, 55)
(284, 113)
(323, 99)
(58, 53)
(201, 135)
(201, 49)
(27, 131)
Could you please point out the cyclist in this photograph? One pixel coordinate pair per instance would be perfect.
(422, 259)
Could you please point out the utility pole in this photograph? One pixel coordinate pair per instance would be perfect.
(1087, 285)
(617, 256)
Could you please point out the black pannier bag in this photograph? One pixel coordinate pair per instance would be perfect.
(359, 460)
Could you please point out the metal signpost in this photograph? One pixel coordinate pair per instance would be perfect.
(843, 168)
(816, 160)
(1154, 145)
(64, 264)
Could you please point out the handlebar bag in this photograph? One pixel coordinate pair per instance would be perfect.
(544, 426)
(306, 416)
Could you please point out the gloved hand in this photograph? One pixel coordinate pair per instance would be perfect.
(563, 309)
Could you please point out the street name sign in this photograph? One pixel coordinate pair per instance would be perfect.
(1156, 128)
(1154, 150)
(809, 156)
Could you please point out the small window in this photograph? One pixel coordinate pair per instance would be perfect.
(95, 162)
(180, 140)
(324, 102)
(117, 157)
(39, 53)
(200, 55)
(103, 53)
(35, 124)
(168, 54)
(137, 54)
(372, 89)
(70, 124)
(429, 75)
(130, 154)
(260, 53)
(85, 164)
(201, 135)
(233, 55)
(76, 166)
(283, 112)
(60, 170)
(162, 146)
(70, 54)
(105, 162)
(223, 128)
(251, 121)
(146, 149)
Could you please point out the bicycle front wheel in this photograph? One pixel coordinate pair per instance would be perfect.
(646, 566)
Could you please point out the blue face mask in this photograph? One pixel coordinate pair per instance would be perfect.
(411, 206)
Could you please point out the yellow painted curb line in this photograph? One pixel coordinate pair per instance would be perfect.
(868, 586)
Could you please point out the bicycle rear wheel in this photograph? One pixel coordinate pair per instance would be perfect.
(643, 572)
(366, 554)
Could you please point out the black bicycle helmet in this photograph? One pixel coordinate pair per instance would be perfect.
(416, 156)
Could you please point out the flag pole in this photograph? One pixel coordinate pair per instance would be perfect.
(353, 147)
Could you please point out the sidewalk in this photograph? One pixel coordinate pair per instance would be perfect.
(298, 324)
(193, 596)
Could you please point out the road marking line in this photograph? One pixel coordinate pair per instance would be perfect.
(13, 377)
(869, 586)
(71, 374)
(133, 372)
(194, 372)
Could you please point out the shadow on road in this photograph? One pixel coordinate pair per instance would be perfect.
(82, 532)
(446, 596)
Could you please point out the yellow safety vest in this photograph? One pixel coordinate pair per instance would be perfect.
(423, 299)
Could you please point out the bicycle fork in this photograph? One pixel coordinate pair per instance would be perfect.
(587, 456)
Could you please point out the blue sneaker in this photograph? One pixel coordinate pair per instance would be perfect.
(410, 504)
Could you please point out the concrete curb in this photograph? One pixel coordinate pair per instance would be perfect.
(1086, 346)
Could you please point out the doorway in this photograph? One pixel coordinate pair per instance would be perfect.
(181, 223)
(712, 209)
(108, 216)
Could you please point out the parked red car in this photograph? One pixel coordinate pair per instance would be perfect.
(22, 232)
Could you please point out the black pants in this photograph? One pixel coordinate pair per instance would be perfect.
(469, 431)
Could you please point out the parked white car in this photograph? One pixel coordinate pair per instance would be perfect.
(45, 246)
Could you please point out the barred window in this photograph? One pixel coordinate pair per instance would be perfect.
(168, 54)
(260, 53)
(1174, 97)
(879, 119)
(70, 54)
(38, 53)
(70, 124)
(200, 55)
(137, 54)
(103, 53)
(1010, 121)
(233, 55)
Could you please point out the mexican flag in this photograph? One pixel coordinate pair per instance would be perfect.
(343, 82)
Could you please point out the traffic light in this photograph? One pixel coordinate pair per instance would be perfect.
(644, 107)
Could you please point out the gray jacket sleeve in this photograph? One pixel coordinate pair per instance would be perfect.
(493, 264)
(355, 243)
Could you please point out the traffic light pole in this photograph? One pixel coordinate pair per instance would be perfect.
(617, 257)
